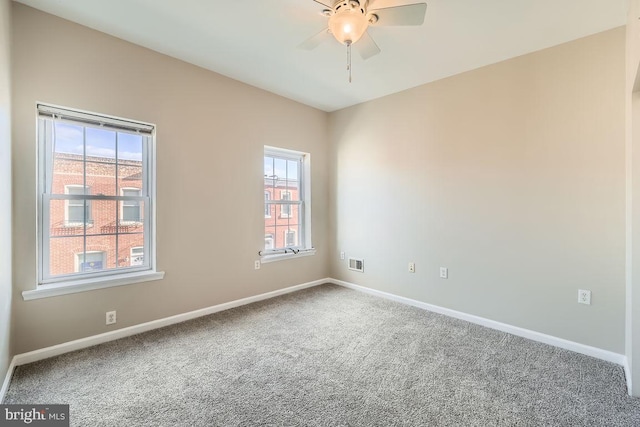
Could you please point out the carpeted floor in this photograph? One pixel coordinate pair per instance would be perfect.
(328, 356)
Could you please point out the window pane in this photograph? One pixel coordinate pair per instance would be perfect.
(269, 241)
(290, 238)
(267, 205)
(101, 176)
(101, 144)
(129, 147)
(280, 168)
(292, 170)
(100, 244)
(91, 261)
(131, 216)
(131, 250)
(68, 170)
(59, 224)
(62, 252)
(103, 214)
(130, 176)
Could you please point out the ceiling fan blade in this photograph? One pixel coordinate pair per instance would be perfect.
(411, 14)
(316, 40)
(324, 4)
(366, 47)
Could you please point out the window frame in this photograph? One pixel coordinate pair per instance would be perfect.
(304, 246)
(48, 285)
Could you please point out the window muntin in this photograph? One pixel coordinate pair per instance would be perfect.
(95, 194)
(286, 179)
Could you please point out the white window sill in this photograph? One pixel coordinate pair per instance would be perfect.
(83, 285)
(281, 257)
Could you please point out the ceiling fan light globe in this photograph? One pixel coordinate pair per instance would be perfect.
(348, 25)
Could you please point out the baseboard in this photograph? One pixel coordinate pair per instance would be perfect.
(7, 379)
(44, 353)
(627, 375)
(598, 353)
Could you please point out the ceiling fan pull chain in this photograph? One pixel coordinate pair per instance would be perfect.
(349, 60)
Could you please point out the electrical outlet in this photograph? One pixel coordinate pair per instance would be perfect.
(412, 267)
(256, 264)
(342, 255)
(111, 317)
(584, 297)
(444, 273)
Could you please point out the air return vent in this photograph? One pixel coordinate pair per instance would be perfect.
(356, 265)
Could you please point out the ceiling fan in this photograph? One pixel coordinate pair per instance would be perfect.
(349, 21)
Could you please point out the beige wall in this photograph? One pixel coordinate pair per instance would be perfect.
(5, 188)
(512, 176)
(632, 104)
(210, 136)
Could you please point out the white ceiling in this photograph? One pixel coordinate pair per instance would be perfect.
(255, 41)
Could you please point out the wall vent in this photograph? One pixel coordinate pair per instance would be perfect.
(356, 265)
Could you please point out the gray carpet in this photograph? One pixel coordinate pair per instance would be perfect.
(328, 356)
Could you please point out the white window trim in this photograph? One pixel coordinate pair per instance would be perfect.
(267, 258)
(117, 278)
(90, 284)
(305, 243)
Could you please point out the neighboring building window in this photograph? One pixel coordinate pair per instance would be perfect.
(137, 256)
(267, 204)
(90, 261)
(268, 241)
(131, 209)
(290, 238)
(77, 211)
(285, 209)
(286, 177)
(96, 196)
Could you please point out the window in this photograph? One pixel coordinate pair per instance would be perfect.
(96, 197)
(268, 241)
(286, 177)
(77, 211)
(267, 205)
(90, 261)
(290, 238)
(285, 209)
(131, 209)
(137, 256)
